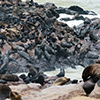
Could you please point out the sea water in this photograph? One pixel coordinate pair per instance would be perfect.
(72, 73)
(92, 5)
(69, 72)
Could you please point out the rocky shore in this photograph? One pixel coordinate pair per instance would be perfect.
(31, 35)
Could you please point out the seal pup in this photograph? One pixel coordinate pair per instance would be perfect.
(61, 81)
(32, 71)
(14, 96)
(4, 92)
(62, 73)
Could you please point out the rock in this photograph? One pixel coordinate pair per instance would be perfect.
(69, 91)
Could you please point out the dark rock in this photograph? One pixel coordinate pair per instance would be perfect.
(75, 81)
(23, 76)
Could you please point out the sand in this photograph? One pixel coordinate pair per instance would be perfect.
(83, 98)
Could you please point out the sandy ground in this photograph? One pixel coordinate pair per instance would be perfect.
(83, 98)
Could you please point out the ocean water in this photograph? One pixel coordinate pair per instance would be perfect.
(92, 5)
(69, 72)
(75, 22)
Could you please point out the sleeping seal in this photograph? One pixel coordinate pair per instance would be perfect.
(61, 81)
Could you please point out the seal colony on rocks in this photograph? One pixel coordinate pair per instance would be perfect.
(36, 36)
(31, 33)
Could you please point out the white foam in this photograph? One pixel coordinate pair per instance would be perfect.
(74, 73)
(75, 22)
(65, 15)
(69, 72)
(91, 16)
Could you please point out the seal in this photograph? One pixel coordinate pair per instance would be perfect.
(32, 70)
(90, 75)
(4, 92)
(61, 81)
(5, 59)
(97, 61)
(91, 71)
(62, 73)
(9, 77)
(39, 79)
(14, 96)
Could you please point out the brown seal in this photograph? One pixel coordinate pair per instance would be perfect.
(97, 61)
(91, 71)
(61, 81)
(4, 92)
(90, 75)
(9, 77)
(32, 70)
(14, 96)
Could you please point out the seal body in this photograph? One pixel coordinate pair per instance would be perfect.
(9, 77)
(90, 75)
(61, 81)
(91, 71)
(62, 73)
